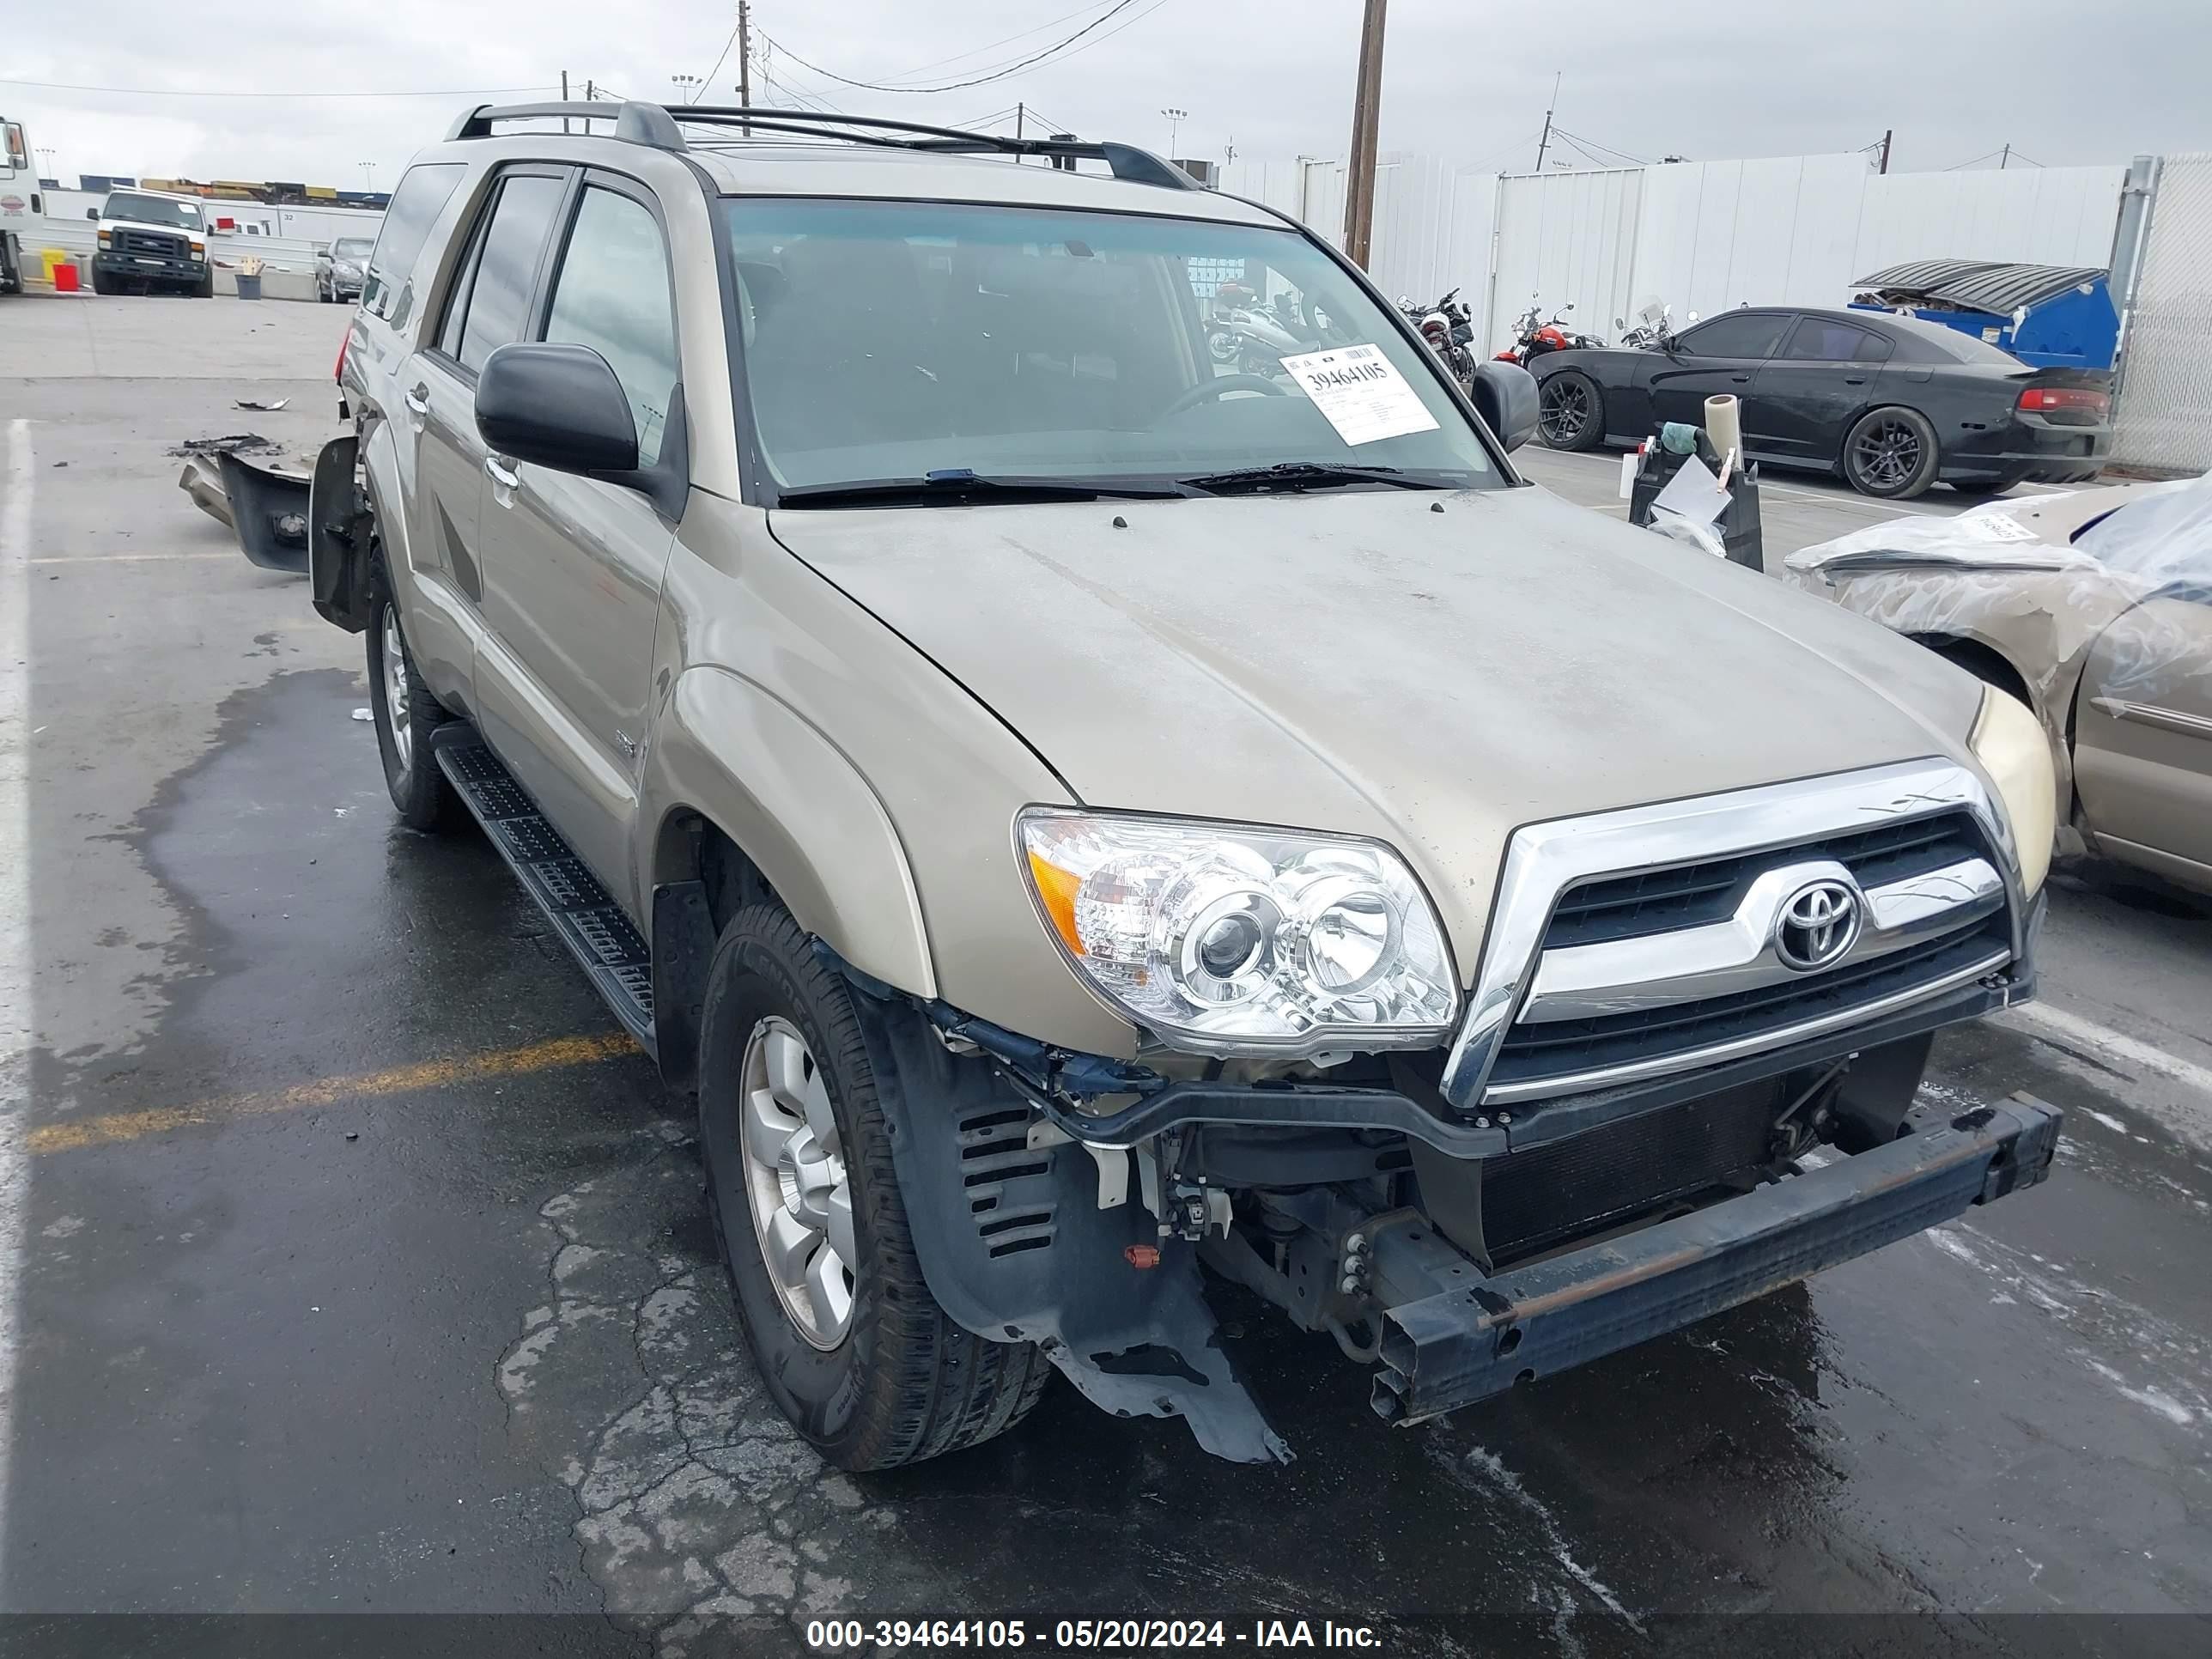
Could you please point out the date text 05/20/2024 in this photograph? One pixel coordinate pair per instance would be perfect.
(1088, 1635)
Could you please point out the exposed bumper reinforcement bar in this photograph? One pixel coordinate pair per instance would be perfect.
(1451, 1349)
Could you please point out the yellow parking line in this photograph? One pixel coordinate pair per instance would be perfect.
(112, 1127)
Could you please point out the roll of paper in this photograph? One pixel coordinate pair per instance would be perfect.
(1724, 424)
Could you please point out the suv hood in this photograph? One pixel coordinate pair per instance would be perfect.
(1359, 661)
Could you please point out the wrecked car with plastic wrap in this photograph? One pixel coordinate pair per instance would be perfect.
(2094, 608)
(1095, 831)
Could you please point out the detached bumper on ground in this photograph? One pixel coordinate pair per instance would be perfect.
(1457, 1346)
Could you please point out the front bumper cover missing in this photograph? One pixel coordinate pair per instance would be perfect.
(1455, 1347)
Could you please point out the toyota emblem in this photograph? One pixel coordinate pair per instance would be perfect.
(1818, 924)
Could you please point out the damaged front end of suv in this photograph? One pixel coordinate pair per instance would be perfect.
(1687, 1074)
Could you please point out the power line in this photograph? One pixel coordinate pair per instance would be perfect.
(1586, 145)
(1033, 59)
(179, 92)
(720, 59)
(977, 52)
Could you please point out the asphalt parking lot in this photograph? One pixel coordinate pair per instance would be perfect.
(355, 1261)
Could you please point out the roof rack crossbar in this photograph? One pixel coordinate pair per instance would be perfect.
(636, 121)
(660, 127)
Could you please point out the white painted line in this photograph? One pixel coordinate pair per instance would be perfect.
(2115, 1045)
(14, 910)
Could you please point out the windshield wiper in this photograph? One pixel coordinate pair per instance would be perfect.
(1308, 475)
(957, 486)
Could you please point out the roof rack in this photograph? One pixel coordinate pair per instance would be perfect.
(662, 127)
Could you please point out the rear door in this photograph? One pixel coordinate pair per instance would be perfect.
(1820, 378)
(485, 307)
(573, 565)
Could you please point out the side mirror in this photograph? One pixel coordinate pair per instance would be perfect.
(92, 213)
(558, 406)
(1506, 397)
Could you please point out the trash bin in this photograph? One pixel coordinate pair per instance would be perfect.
(65, 277)
(249, 287)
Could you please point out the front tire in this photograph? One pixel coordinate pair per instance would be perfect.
(848, 1339)
(1890, 454)
(1571, 412)
(405, 714)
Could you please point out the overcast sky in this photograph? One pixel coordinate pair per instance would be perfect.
(2062, 81)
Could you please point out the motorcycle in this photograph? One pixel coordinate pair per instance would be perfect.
(1248, 339)
(1654, 329)
(1448, 328)
(1534, 337)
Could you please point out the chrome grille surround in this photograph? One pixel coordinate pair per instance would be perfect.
(1520, 982)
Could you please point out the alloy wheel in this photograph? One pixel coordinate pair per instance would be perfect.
(1564, 412)
(1886, 455)
(801, 1197)
(395, 687)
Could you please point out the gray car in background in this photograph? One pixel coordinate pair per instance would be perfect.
(340, 268)
(1091, 823)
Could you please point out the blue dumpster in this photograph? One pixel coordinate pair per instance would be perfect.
(2052, 316)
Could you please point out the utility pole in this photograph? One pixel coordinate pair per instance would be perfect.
(1366, 110)
(2005, 160)
(1545, 143)
(1887, 134)
(745, 59)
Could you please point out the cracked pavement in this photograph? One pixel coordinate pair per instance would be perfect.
(468, 1347)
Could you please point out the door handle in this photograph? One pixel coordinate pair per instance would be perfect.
(1854, 379)
(418, 399)
(500, 475)
(1740, 379)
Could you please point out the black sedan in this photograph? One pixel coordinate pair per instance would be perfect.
(1892, 403)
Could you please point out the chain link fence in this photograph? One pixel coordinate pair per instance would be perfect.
(2163, 419)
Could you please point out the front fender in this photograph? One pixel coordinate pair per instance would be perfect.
(729, 750)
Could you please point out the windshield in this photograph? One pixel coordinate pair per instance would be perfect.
(2164, 534)
(153, 211)
(351, 247)
(891, 340)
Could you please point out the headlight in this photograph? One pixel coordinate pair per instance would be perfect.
(2015, 750)
(1228, 939)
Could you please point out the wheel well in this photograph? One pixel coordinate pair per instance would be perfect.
(1983, 662)
(694, 847)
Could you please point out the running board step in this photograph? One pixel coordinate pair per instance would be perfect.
(589, 922)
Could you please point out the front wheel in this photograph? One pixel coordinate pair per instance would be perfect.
(1571, 412)
(848, 1339)
(405, 714)
(1890, 454)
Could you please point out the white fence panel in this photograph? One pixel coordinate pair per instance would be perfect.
(2163, 419)
(1717, 234)
(2039, 216)
(1433, 230)
(1562, 238)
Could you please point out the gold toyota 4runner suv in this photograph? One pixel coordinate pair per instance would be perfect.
(1088, 822)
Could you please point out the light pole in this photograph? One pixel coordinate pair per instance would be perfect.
(368, 175)
(47, 161)
(1175, 118)
(687, 88)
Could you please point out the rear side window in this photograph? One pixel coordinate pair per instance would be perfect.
(1739, 334)
(506, 265)
(612, 295)
(387, 291)
(1818, 340)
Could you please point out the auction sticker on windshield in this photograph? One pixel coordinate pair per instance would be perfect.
(1361, 393)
